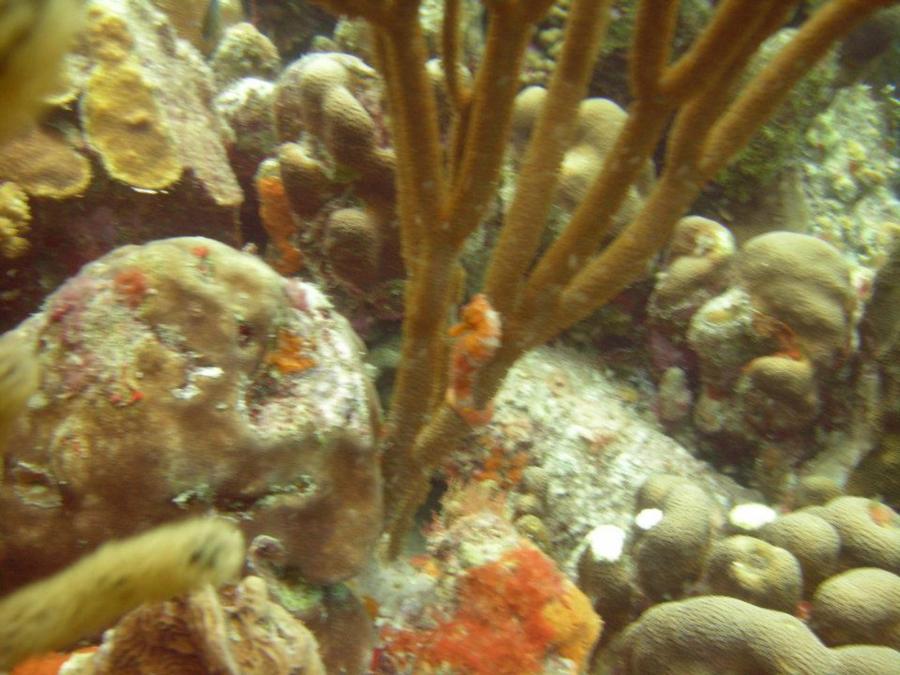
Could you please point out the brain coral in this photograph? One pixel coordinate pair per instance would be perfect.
(803, 282)
(713, 634)
(861, 605)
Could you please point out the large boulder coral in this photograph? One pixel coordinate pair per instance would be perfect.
(804, 283)
(670, 554)
(754, 570)
(184, 376)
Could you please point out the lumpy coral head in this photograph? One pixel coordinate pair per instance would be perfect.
(182, 376)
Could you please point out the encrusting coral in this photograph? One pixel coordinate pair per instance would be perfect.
(145, 130)
(44, 164)
(213, 366)
(14, 218)
(135, 150)
(490, 602)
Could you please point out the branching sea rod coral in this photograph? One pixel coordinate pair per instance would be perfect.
(443, 196)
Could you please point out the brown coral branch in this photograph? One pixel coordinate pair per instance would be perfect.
(525, 220)
(495, 90)
(772, 85)
(735, 24)
(694, 137)
(654, 30)
(450, 53)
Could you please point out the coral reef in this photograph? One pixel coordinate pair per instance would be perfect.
(669, 555)
(861, 605)
(149, 136)
(339, 620)
(869, 531)
(200, 22)
(599, 121)
(778, 144)
(199, 374)
(761, 337)
(756, 571)
(19, 379)
(244, 52)
(14, 219)
(404, 174)
(790, 564)
(338, 174)
(815, 543)
(44, 164)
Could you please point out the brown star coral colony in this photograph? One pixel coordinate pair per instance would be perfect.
(375, 336)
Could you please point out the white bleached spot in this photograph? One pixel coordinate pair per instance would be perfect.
(648, 518)
(606, 542)
(751, 516)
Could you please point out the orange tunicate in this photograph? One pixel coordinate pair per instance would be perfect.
(289, 356)
(278, 220)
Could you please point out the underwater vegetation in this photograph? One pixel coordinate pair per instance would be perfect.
(407, 336)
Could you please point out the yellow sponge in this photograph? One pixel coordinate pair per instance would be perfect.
(91, 594)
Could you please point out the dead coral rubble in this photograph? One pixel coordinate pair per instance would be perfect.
(237, 631)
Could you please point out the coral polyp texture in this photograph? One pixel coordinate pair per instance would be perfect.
(788, 565)
(337, 169)
(668, 408)
(199, 374)
(715, 634)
